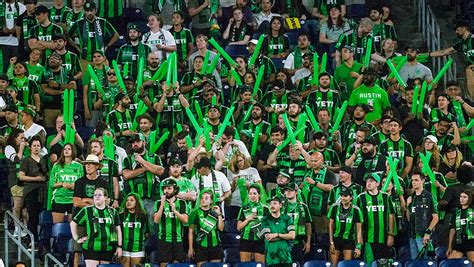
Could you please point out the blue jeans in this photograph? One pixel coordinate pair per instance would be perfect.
(416, 244)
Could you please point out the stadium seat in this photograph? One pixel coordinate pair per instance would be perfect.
(249, 264)
(317, 263)
(215, 264)
(393, 264)
(229, 240)
(421, 263)
(61, 236)
(441, 253)
(230, 226)
(318, 253)
(456, 263)
(351, 263)
(278, 63)
(183, 264)
(232, 255)
(237, 50)
(45, 228)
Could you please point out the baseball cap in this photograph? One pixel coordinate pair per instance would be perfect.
(254, 41)
(432, 138)
(119, 96)
(350, 48)
(275, 198)
(346, 169)
(374, 176)
(11, 108)
(168, 182)
(128, 78)
(41, 9)
(137, 137)
(291, 186)
(284, 174)
(203, 162)
(346, 191)
(176, 161)
(369, 140)
(133, 26)
(89, 5)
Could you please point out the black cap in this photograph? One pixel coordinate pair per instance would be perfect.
(203, 162)
(369, 140)
(176, 161)
(214, 106)
(133, 26)
(244, 88)
(345, 168)
(128, 78)
(146, 116)
(4, 77)
(27, 2)
(363, 106)
(137, 137)
(119, 97)
(291, 186)
(89, 5)
(41, 9)
(168, 182)
(462, 23)
(12, 108)
(275, 198)
(346, 191)
(331, 6)
(98, 51)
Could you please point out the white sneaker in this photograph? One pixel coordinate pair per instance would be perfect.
(23, 233)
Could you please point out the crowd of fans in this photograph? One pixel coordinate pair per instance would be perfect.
(288, 122)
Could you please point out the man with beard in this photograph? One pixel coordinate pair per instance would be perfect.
(178, 150)
(323, 96)
(170, 214)
(370, 94)
(294, 110)
(213, 118)
(228, 145)
(120, 118)
(381, 31)
(109, 170)
(41, 35)
(184, 40)
(293, 161)
(131, 52)
(282, 180)
(140, 171)
(258, 111)
(150, 89)
(399, 148)
(170, 105)
(414, 69)
(275, 101)
(294, 61)
(320, 144)
(55, 81)
(91, 98)
(350, 127)
(267, 171)
(10, 123)
(372, 161)
(347, 73)
(186, 190)
(442, 133)
(145, 127)
(70, 60)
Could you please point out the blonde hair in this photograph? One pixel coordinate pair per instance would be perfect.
(234, 162)
(457, 162)
(435, 154)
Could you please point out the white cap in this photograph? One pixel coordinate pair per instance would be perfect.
(432, 138)
(254, 41)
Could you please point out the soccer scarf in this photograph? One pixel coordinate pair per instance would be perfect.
(215, 185)
(316, 194)
(98, 35)
(459, 114)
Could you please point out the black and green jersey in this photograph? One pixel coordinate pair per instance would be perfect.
(26, 90)
(443, 140)
(330, 157)
(43, 33)
(462, 221)
(92, 93)
(134, 229)
(276, 45)
(170, 228)
(269, 69)
(35, 72)
(120, 121)
(143, 183)
(465, 46)
(335, 193)
(72, 17)
(440, 178)
(398, 150)
(278, 251)
(272, 100)
(380, 137)
(324, 6)
(61, 77)
(295, 167)
(421, 210)
(300, 214)
(100, 227)
(317, 198)
(110, 8)
(266, 127)
(351, 38)
(436, 114)
(250, 231)
(68, 173)
(238, 33)
(183, 38)
(329, 100)
(376, 210)
(108, 171)
(351, 150)
(190, 78)
(92, 35)
(349, 129)
(276, 192)
(26, 24)
(59, 15)
(131, 54)
(205, 227)
(345, 220)
(71, 62)
(400, 220)
(173, 112)
(382, 32)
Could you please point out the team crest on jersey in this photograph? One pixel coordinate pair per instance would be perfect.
(90, 190)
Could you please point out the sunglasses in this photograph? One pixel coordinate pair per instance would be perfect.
(111, 73)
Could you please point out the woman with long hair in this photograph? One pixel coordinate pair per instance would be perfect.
(442, 110)
(430, 145)
(135, 227)
(276, 43)
(241, 70)
(28, 90)
(331, 29)
(62, 177)
(461, 233)
(452, 159)
(103, 239)
(248, 221)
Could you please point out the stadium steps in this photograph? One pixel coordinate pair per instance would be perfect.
(406, 24)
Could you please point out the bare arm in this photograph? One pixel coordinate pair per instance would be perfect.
(82, 202)
(441, 53)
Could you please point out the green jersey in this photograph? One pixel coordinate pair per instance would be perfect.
(375, 97)
(170, 228)
(463, 222)
(277, 251)
(108, 171)
(92, 93)
(72, 17)
(342, 76)
(317, 198)
(59, 15)
(359, 44)
(329, 100)
(345, 220)
(100, 227)
(143, 183)
(300, 214)
(335, 193)
(251, 230)
(465, 46)
(130, 54)
(205, 227)
(376, 210)
(27, 89)
(35, 72)
(110, 8)
(68, 173)
(43, 33)
(183, 38)
(348, 132)
(400, 150)
(120, 121)
(71, 62)
(91, 35)
(134, 230)
(276, 45)
(60, 77)
(296, 168)
(382, 32)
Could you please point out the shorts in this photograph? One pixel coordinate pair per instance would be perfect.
(61, 208)
(140, 254)
(17, 191)
(208, 254)
(81, 231)
(170, 251)
(343, 244)
(252, 246)
(465, 246)
(99, 255)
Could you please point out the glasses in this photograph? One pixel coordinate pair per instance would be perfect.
(99, 195)
(111, 74)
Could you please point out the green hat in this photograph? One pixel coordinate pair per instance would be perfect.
(275, 198)
(291, 186)
(133, 26)
(30, 111)
(374, 176)
(169, 182)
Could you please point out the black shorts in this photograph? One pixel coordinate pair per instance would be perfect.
(343, 244)
(61, 208)
(98, 255)
(208, 254)
(466, 246)
(169, 252)
(252, 246)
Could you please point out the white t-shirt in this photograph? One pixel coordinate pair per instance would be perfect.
(10, 10)
(250, 175)
(238, 145)
(34, 130)
(223, 184)
(10, 153)
(415, 71)
(162, 37)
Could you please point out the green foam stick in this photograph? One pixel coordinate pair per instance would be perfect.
(470, 125)
(393, 173)
(205, 63)
(289, 130)
(414, 102)
(189, 143)
(301, 122)
(71, 105)
(214, 100)
(419, 108)
(395, 73)
(175, 69)
(260, 73)
(160, 142)
(256, 52)
(109, 147)
(207, 130)
(324, 62)
(169, 73)
(315, 79)
(65, 106)
(312, 119)
(159, 74)
(126, 67)
(368, 53)
(141, 66)
(387, 182)
(401, 62)
(288, 139)
(340, 116)
(236, 77)
(246, 117)
(97, 83)
(223, 52)
(225, 122)
(194, 122)
(441, 73)
(242, 185)
(141, 109)
(258, 130)
(213, 65)
(425, 158)
(198, 109)
(119, 75)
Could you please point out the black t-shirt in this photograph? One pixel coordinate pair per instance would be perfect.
(412, 129)
(368, 166)
(84, 188)
(269, 176)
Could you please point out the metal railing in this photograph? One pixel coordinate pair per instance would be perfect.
(16, 239)
(50, 256)
(429, 27)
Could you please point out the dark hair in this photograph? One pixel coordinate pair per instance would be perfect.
(229, 131)
(464, 174)
(13, 135)
(35, 138)
(139, 209)
(397, 121)
(100, 128)
(182, 135)
(277, 129)
(469, 194)
(339, 22)
(417, 171)
(282, 28)
(365, 130)
(62, 158)
(24, 66)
